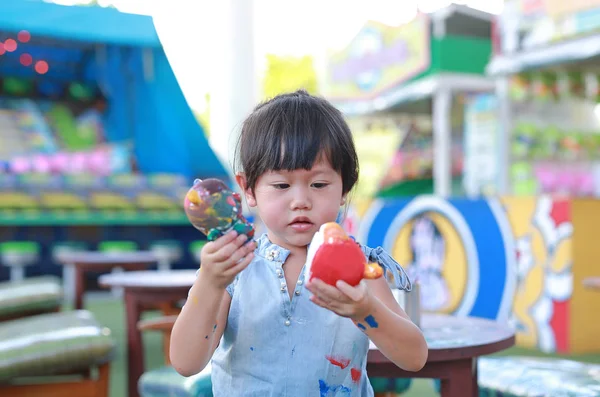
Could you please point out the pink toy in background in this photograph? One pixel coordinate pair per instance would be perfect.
(20, 165)
(98, 161)
(59, 163)
(214, 209)
(78, 163)
(546, 178)
(41, 164)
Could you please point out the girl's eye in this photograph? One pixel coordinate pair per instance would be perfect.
(319, 185)
(280, 186)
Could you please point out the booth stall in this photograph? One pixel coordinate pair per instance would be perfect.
(402, 89)
(97, 140)
(518, 246)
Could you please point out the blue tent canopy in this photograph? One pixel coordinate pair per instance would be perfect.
(121, 54)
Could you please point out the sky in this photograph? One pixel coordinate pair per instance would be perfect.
(284, 27)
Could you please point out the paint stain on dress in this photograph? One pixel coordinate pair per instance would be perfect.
(355, 373)
(338, 361)
(251, 348)
(332, 390)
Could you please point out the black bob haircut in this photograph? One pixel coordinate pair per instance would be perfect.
(290, 132)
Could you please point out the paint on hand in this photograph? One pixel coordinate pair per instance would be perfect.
(361, 327)
(206, 337)
(214, 328)
(337, 390)
(195, 300)
(371, 321)
(355, 373)
(338, 361)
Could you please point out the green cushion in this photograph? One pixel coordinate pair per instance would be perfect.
(196, 246)
(397, 385)
(172, 248)
(53, 343)
(165, 381)
(174, 244)
(32, 294)
(529, 376)
(117, 246)
(19, 247)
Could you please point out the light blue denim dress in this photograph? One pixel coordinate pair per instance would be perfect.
(276, 346)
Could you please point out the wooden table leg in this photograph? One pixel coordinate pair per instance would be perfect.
(79, 287)
(135, 349)
(462, 381)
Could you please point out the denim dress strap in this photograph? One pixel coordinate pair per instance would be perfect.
(380, 256)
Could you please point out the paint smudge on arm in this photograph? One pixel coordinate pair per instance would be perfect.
(361, 327)
(338, 361)
(214, 328)
(370, 320)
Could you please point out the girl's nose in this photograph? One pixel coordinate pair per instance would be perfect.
(301, 200)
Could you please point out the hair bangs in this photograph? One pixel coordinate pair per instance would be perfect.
(294, 131)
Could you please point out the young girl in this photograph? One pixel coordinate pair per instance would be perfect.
(267, 330)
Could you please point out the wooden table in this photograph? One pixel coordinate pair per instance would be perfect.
(145, 290)
(454, 343)
(95, 262)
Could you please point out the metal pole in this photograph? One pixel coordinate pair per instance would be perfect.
(442, 136)
(504, 132)
(233, 93)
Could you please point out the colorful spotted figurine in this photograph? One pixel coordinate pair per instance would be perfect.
(214, 209)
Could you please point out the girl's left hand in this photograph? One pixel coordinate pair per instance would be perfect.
(343, 299)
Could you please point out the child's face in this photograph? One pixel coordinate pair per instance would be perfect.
(294, 204)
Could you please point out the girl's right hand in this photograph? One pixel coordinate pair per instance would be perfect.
(222, 259)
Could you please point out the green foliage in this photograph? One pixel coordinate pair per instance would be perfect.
(204, 116)
(285, 74)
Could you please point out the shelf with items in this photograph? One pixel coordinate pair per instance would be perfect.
(417, 69)
(546, 67)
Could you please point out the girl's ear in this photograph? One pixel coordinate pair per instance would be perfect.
(240, 178)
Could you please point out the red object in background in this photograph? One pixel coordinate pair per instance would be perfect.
(26, 59)
(495, 36)
(2, 50)
(41, 67)
(24, 36)
(10, 45)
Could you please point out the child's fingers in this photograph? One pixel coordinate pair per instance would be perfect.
(355, 293)
(242, 252)
(241, 265)
(213, 246)
(326, 291)
(319, 302)
(225, 253)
